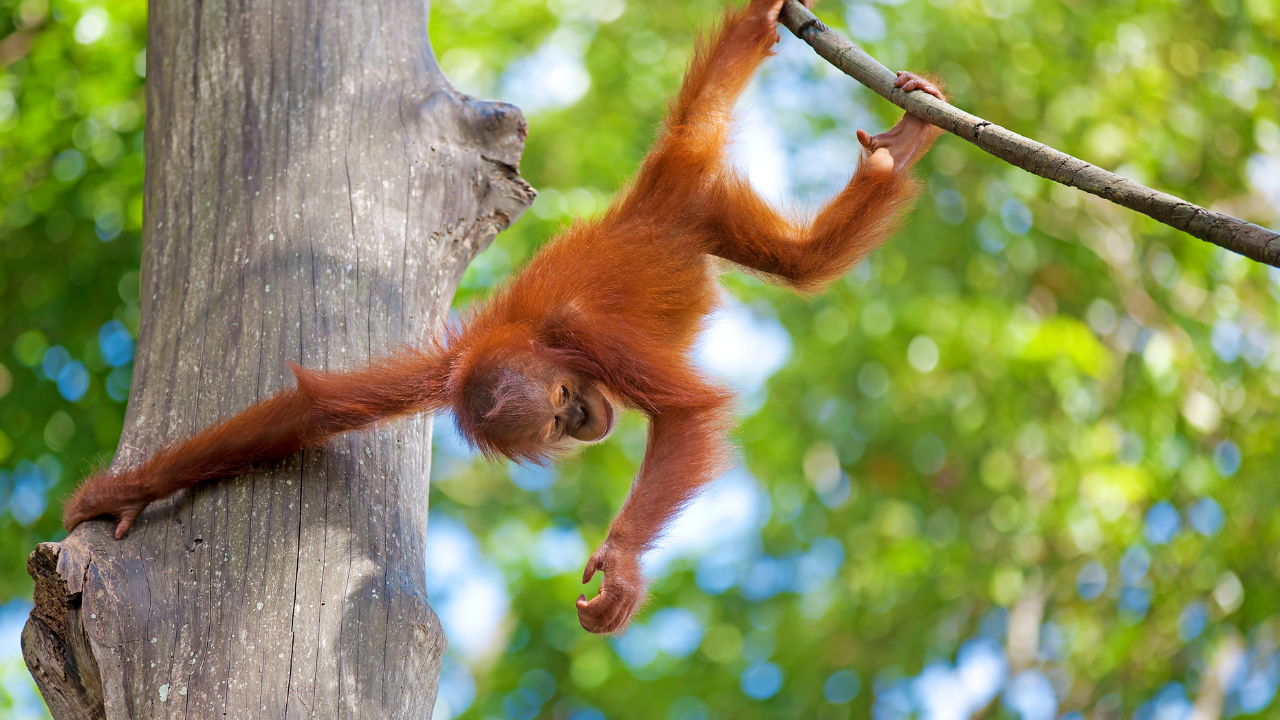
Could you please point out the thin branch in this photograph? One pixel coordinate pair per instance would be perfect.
(1234, 234)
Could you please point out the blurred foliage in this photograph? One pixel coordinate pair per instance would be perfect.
(1015, 464)
(71, 111)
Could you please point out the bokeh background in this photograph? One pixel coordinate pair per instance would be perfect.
(1022, 463)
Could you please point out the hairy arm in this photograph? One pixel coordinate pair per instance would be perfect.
(686, 450)
(322, 405)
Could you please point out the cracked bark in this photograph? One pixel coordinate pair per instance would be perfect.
(315, 189)
(1234, 234)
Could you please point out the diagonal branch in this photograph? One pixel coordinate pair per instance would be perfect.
(1234, 234)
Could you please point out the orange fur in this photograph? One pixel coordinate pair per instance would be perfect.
(618, 300)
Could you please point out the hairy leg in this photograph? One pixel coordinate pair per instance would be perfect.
(745, 229)
(696, 128)
(723, 65)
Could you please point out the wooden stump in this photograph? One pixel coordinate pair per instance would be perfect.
(315, 189)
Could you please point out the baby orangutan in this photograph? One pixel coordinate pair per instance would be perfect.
(604, 315)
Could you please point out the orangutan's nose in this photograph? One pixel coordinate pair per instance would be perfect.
(575, 416)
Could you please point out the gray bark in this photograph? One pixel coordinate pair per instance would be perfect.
(1234, 234)
(315, 189)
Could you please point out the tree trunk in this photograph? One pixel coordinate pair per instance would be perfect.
(315, 189)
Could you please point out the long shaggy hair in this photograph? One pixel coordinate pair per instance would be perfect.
(615, 301)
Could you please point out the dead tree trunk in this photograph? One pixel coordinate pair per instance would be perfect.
(314, 190)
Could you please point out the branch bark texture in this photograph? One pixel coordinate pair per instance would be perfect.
(1245, 238)
(315, 189)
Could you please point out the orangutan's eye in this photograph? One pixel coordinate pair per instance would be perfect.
(564, 394)
(555, 427)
